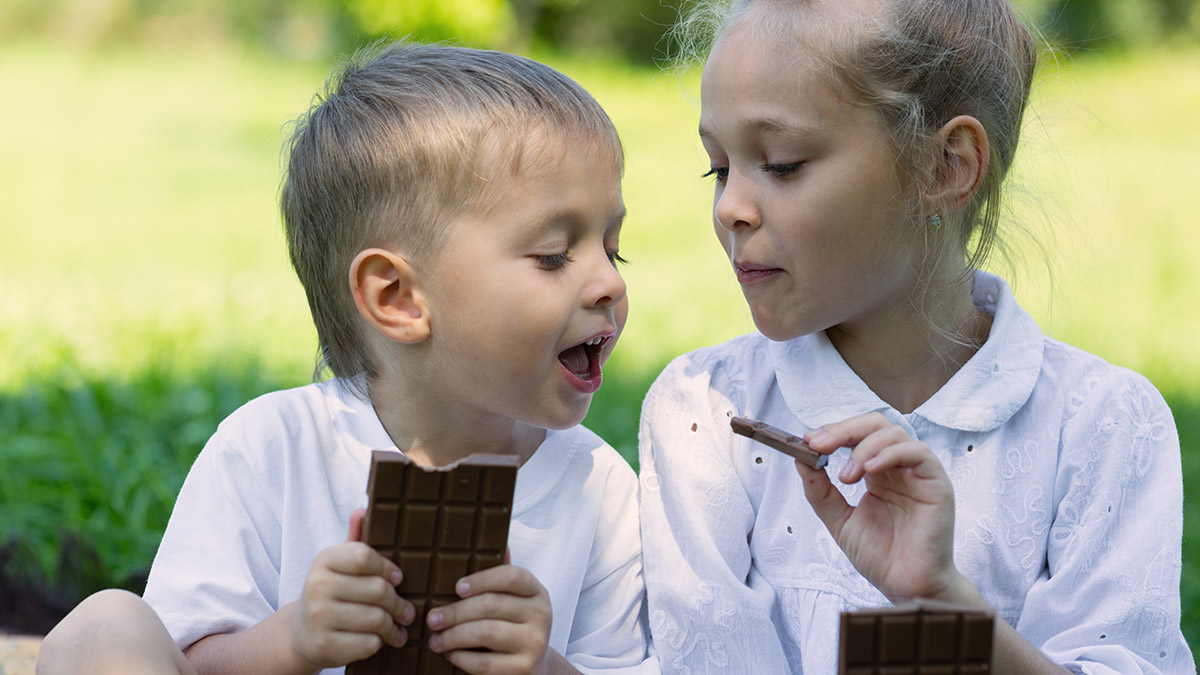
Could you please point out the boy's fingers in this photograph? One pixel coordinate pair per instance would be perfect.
(488, 606)
(358, 559)
(508, 579)
(502, 637)
(375, 591)
(356, 523)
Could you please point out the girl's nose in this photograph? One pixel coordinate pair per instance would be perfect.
(735, 205)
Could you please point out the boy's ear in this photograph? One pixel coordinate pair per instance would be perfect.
(387, 294)
(962, 164)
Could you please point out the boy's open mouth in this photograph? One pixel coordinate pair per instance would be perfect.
(583, 360)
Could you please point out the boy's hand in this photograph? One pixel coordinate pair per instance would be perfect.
(901, 534)
(349, 607)
(501, 625)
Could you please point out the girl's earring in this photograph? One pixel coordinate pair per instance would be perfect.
(935, 221)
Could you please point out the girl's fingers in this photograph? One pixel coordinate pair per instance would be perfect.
(829, 504)
(869, 447)
(845, 433)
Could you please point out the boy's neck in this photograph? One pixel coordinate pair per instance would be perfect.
(431, 433)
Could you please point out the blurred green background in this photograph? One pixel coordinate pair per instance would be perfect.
(145, 290)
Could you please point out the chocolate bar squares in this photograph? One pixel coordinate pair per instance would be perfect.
(438, 525)
(916, 638)
(780, 440)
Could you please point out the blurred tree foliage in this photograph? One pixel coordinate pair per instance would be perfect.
(630, 28)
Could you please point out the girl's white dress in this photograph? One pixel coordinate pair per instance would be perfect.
(1068, 502)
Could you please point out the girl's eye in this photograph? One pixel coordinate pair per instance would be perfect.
(553, 262)
(782, 170)
(720, 172)
(616, 259)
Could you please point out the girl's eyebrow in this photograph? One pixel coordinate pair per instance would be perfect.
(771, 125)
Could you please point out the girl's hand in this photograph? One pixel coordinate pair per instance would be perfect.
(501, 624)
(349, 607)
(901, 534)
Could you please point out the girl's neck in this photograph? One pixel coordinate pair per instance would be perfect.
(907, 359)
(431, 432)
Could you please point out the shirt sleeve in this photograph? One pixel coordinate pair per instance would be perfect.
(217, 567)
(609, 633)
(696, 520)
(1109, 602)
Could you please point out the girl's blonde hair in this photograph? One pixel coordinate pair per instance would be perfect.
(918, 66)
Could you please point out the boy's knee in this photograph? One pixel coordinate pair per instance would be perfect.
(95, 628)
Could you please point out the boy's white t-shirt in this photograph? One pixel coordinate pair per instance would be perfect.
(279, 479)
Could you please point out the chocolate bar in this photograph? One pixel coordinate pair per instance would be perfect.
(437, 525)
(780, 440)
(918, 638)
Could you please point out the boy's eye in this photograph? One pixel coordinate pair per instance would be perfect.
(553, 262)
(782, 170)
(616, 259)
(720, 172)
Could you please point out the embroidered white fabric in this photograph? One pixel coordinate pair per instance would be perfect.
(1068, 502)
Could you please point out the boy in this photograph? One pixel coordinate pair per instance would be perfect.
(454, 217)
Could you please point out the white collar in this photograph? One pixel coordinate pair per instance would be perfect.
(820, 388)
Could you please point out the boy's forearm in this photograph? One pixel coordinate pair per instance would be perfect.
(263, 648)
(557, 664)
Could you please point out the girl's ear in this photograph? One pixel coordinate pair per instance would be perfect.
(388, 295)
(962, 164)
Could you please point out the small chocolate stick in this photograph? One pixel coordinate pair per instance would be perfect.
(780, 440)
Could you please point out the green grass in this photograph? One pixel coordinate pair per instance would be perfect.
(147, 292)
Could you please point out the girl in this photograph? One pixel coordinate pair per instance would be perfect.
(858, 148)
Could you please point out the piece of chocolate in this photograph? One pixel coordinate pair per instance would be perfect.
(780, 440)
(920, 637)
(438, 525)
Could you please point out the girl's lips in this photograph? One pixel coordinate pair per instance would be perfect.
(752, 274)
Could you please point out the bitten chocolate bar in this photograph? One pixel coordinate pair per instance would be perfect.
(438, 525)
(918, 637)
(780, 440)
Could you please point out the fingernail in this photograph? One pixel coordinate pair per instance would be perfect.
(408, 615)
(435, 641)
(400, 638)
(434, 619)
(396, 577)
(817, 436)
(463, 588)
(845, 474)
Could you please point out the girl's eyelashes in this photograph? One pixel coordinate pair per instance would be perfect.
(616, 259)
(721, 173)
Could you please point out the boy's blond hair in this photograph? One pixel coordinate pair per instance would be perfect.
(399, 143)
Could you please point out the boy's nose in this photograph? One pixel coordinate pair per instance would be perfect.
(607, 288)
(735, 205)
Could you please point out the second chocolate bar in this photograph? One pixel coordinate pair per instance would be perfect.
(780, 440)
(438, 525)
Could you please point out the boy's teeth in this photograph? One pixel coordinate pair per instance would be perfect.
(594, 341)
